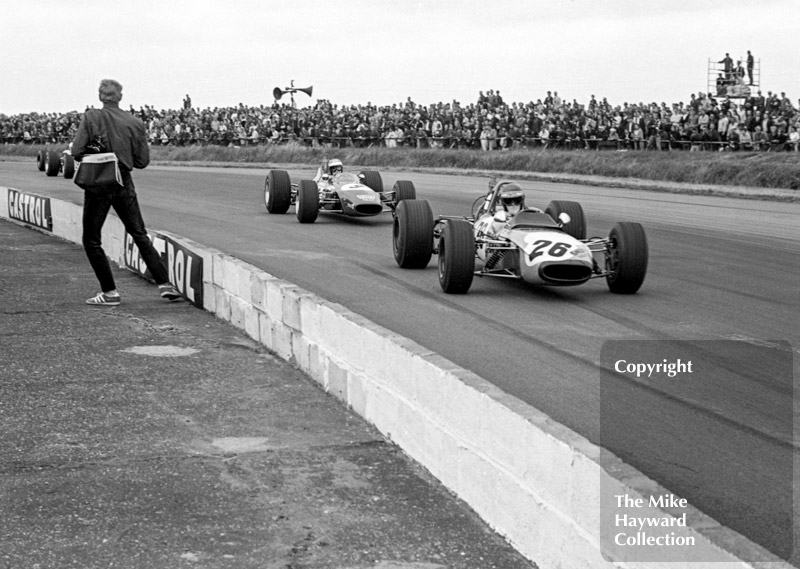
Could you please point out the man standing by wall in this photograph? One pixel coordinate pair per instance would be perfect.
(124, 135)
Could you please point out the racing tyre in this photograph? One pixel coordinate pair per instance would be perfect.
(278, 191)
(627, 258)
(307, 205)
(69, 166)
(404, 190)
(412, 234)
(40, 160)
(373, 180)
(577, 222)
(456, 257)
(52, 163)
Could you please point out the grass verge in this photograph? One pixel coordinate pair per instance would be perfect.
(747, 169)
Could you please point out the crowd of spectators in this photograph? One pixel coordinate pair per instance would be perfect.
(705, 122)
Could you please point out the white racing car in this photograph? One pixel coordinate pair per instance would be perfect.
(334, 191)
(546, 247)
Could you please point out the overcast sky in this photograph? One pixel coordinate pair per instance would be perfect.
(55, 52)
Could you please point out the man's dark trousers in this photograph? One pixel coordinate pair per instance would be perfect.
(96, 206)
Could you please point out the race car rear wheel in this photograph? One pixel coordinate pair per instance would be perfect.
(456, 256)
(373, 180)
(412, 234)
(278, 191)
(307, 204)
(404, 190)
(577, 222)
(40, 160)
(627, 257)
(69, 166)
(52, 163)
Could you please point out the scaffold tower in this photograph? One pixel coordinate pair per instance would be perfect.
(733, 79)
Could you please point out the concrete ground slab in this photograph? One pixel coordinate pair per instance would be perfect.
(153, 434)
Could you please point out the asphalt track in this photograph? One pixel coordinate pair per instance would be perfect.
(721, 291)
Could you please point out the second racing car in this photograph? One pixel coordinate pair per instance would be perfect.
(52, 162)
(509, 240)
(334, 191)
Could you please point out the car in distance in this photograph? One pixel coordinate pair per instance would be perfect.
(52, 162)
(344, 193)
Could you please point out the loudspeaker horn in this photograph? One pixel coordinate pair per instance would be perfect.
(277, 92)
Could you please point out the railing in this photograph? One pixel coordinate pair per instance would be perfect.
(445, 143)
(38, 139)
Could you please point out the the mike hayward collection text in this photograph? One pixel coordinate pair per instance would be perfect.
(639, 524)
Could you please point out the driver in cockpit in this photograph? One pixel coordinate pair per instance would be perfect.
(329, 169)
(510, 201)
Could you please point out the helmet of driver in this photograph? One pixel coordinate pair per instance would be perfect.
(335, 166)
(512, 198)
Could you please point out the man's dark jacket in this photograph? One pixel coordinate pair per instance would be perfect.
(125, 135)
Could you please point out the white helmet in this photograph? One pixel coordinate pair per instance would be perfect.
(512, 198)
(335, 166)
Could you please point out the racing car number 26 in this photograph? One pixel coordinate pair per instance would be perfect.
(557, 249)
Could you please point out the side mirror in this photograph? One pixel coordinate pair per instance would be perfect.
(500, 216)
(564, 217)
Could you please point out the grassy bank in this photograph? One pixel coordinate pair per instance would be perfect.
(757, 170)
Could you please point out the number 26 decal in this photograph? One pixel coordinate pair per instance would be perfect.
(556, 249)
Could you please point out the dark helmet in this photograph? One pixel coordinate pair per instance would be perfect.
(512, 197)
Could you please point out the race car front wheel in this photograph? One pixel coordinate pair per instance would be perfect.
(576, 226)
(456, 256)
(40, 160)
(52, 163)
(278, 191)
(372, 179)
(404, 190)
(307, 204)
(627, 257)
(412, 234)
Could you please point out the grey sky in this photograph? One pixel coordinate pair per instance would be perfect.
(355, 51)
